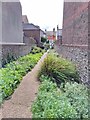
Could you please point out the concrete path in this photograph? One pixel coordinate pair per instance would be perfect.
(19, 105)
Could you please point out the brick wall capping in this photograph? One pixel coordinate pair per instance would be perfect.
(75, 45)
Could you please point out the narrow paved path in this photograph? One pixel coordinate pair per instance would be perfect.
(19, 105)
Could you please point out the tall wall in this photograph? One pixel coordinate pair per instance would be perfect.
(75, 36)
(12, 41)
(12, 22)
(75, 23)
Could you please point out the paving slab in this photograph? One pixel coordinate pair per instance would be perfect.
(19, 106)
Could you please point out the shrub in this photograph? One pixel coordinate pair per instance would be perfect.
(35, 50)
(46, 46)
(43, 40)
(59, 69)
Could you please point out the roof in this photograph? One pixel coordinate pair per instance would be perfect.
(30, 26)
(43, 31)
(50, 33)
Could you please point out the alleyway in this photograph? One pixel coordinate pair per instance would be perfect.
(20, 103)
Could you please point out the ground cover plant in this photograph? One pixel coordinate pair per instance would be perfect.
(61, 94)
(53, 102)
(12, 74)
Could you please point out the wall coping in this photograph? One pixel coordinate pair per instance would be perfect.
(75, 45)
(12, 43)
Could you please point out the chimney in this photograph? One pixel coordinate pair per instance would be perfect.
(57, 27)
(53, 29)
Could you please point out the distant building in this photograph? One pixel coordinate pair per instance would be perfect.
(42, 34)
(59, 35)
(34, 31)
(51, 36)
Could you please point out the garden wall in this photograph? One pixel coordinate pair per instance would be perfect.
(75, 36)
(75, 23)
(77, 56)
(17, 50)
(12, 40)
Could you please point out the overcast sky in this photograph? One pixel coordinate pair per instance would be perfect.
(45, 13)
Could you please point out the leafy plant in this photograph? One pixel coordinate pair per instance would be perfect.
(35, 50)
(78, 97)
(53, 102)
(12, 74)
(9, 58)
(43, 39)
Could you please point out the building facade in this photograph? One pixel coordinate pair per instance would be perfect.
(34, 31)
(59, 36)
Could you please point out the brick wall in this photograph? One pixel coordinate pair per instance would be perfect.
(34, 34)
(75, 23)
(75, 37)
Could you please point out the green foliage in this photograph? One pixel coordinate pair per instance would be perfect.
(10, 57)
(78, 97)
(59, 69)
(43, 40)
(53, 102)
(60, 95)
(47, 41)
(12, 74)
(46, 46)
(43, 78)
(35, 50)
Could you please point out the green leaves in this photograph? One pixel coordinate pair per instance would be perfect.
(53, 102)
(12, 74)
(35, 50)
(61, 95)
(78, 97)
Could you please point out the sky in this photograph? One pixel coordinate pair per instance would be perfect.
(45, 13)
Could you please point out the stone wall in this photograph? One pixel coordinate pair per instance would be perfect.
(12, 41)
(75, 37)
(15, 50)
(77, 56)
